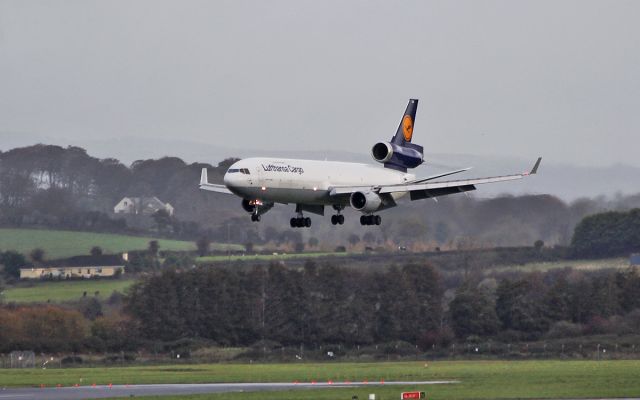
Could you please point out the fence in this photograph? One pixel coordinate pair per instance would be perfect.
(577, 350)
(22, 359)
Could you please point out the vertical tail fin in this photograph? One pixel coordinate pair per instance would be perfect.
(400, 153)
(405, 129)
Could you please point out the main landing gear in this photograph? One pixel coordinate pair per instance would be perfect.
(300, 221)
(337, 219)
(370, 220)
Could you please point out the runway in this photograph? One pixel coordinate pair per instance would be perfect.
(104, 391)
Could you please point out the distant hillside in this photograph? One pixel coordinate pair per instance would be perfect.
(67, 188)
(557, 177)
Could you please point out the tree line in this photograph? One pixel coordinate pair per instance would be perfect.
(56, 187)
(323, 305)
(329, 305)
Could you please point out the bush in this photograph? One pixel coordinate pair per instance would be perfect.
(71, 360)
(597, 326)
(632, 320)
(440, 338)
(298, 247)
(564, 329)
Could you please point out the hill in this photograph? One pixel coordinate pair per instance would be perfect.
(587, 181)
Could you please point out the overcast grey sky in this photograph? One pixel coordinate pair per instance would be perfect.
(554, 78)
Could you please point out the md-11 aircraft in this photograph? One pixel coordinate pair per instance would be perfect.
(313, 185)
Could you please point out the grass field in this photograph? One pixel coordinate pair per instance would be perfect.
(58, 244)
(268, 257)
(64, 290)
(588, 265)
(478, 379)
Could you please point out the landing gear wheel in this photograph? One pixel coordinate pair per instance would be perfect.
(337, 219)
(370, 220)
(300, 222)
(255, 218)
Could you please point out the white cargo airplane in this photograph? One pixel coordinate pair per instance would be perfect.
(312, 185)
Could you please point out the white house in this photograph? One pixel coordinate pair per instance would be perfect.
(77, 267)
(142, 205)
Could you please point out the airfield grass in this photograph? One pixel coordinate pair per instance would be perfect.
(58, 244)
(64, 290)
(478, 379)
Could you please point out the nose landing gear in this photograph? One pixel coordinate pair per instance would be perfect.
(370, 220)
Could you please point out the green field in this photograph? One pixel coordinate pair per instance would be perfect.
(587, 265)
(58, 244)
(30, 292)
(267, 257)
(478, 379)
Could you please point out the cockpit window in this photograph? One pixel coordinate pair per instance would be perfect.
(241, 170)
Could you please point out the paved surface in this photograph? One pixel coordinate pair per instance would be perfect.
(98, 392)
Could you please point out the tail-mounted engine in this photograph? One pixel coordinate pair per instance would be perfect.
(400, 153)
(398, 157)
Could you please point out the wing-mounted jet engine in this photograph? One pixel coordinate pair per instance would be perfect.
(400, 153)
(369, 202)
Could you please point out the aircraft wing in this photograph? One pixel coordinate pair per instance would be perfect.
(433, 189)
(430, 178)
(205, 185)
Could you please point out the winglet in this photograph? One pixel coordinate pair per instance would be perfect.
(534, 170)
(204, 179)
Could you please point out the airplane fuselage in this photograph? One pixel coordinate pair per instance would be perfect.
(312, 184)
(305, 181)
